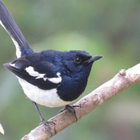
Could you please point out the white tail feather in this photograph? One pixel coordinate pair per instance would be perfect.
(18, 52)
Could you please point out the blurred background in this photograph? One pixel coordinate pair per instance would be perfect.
(110, 28)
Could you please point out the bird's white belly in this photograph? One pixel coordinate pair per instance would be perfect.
(47, 98)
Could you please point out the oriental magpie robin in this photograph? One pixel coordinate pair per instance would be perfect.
(49, 78)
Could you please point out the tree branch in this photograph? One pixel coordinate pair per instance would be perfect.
(123, 80)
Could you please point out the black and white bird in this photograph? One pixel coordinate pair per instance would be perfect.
(49, 78)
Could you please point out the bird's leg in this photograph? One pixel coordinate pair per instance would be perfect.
(71, 110)
(40, 115)
(43, 121)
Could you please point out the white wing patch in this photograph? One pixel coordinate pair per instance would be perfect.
(30, 70)
(18, 52)
(40, 76)
(56, 80)
(13, 65)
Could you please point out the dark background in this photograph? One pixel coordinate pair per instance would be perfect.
(110, 28)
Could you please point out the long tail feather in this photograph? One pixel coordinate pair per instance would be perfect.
(22, 46)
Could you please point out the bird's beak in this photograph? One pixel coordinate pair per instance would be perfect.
(94, 58)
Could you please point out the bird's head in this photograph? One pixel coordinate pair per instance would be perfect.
(78, 63)
(76, 69)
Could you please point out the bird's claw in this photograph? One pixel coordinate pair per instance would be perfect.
(47, 125)
(71, 110)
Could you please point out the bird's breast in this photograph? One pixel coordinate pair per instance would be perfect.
(71, 88)
(48, 98)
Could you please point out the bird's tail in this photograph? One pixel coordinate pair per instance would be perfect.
(8, 23)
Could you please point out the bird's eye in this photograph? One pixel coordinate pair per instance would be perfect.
(78, 60)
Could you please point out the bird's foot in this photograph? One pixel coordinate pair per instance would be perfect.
(71, 110)
(47, 125)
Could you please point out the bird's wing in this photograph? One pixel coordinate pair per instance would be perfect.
(8, 23)
(41, 74)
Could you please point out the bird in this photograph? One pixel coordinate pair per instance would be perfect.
(49, 78)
